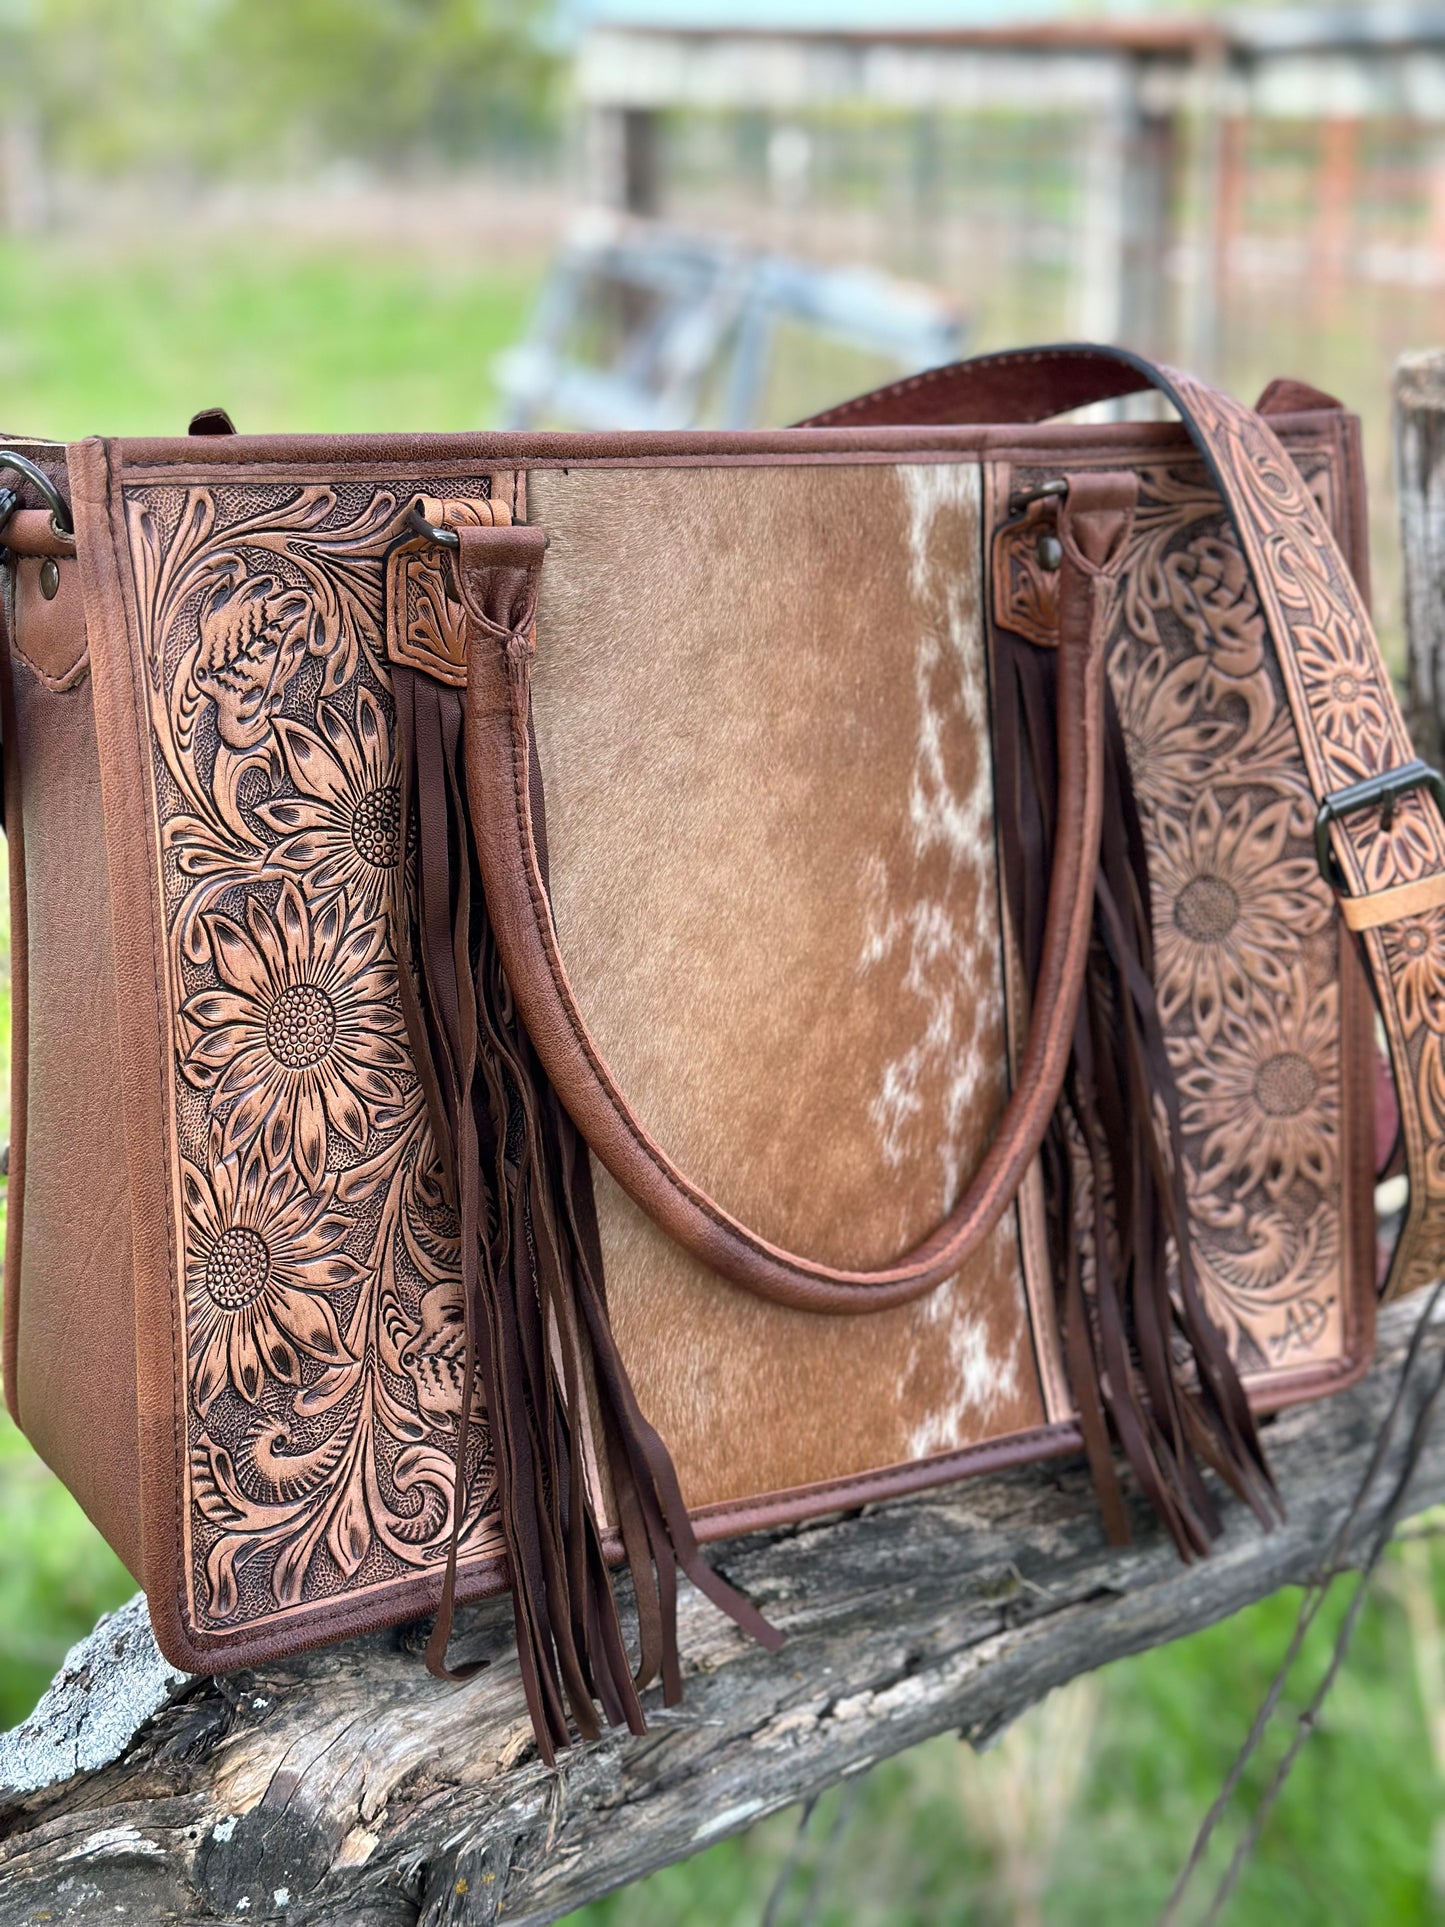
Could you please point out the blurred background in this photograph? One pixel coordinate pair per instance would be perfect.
(450, 214)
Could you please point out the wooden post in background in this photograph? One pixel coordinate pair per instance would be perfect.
(622, 160)
(1420, 478)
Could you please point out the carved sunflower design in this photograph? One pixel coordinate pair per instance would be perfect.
(1230, 908)
(264, 1258)
(1172, 749)
(304, 1037)
(1416, 949)
(1264, 1094)
(1347, 708)
(342, 828)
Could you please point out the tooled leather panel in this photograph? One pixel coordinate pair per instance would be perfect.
(318, 1261)
(425, 624)
(1247, 937)
(1351, 726)
(761, 714)
(1025, 594)
(320, 1469)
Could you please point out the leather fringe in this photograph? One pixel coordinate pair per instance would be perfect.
(539, 1350)
(1149, 1369)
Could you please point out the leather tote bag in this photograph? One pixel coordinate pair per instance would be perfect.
(578, 995)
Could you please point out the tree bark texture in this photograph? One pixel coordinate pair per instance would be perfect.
(349, 1788)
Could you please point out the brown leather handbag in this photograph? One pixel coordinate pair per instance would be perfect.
(580, 994)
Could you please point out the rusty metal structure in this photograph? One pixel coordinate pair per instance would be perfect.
(1159, 103)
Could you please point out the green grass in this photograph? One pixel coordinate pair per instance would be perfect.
(1083, 1813)
(133, 340)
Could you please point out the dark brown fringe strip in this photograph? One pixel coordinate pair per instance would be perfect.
(539, 1349)
(1146, 1362)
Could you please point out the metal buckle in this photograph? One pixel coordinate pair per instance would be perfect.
(1044, 492)
(433, 531)
(60, 517)
(1383, 790)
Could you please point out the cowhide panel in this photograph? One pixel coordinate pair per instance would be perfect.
(762, 715)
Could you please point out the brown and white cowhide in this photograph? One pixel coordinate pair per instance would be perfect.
(761, 709)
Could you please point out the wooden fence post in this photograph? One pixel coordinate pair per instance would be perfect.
(1420, 478)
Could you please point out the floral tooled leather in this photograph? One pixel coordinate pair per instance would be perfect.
(1350, 727)
(322, 1312)
(426, 623)
(1246, 938)
(1025, 593)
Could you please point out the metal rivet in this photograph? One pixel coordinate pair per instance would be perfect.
(1050, 553)
(50, 578)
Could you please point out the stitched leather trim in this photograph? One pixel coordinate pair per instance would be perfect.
(58, 684)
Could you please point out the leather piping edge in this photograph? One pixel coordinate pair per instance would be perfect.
(411, 1599)
(19, 1007)
(133, 856)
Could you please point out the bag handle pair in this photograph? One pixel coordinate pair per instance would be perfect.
(1319, 629)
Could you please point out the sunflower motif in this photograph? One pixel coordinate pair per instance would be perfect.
(1172, 750)
(304, 1037)
(1416, 949)
(1230, 908)
(1346, 706)
(264, 1258)
(343, 826)
(1398, 846)
(1264, 1094)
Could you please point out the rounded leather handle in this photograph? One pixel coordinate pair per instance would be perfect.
(500, 779)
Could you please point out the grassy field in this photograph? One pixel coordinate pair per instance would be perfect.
(1084, 1812)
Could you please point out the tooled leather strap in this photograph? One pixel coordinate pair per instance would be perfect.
(1093, 527)
(1389, 861)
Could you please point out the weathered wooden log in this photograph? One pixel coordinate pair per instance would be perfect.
(1420, 481)
(349, 1787)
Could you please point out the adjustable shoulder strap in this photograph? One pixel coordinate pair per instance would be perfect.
(1380, 823)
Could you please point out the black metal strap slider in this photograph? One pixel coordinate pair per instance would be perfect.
(1375, 792)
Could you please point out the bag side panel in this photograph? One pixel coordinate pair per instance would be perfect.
(19, 1004)
(69, 1277)
(300, 1351)
(1265, 1013)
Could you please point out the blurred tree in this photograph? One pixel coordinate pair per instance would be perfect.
(389, 81)
(182, 90)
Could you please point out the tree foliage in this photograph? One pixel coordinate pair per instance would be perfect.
(214, 88)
